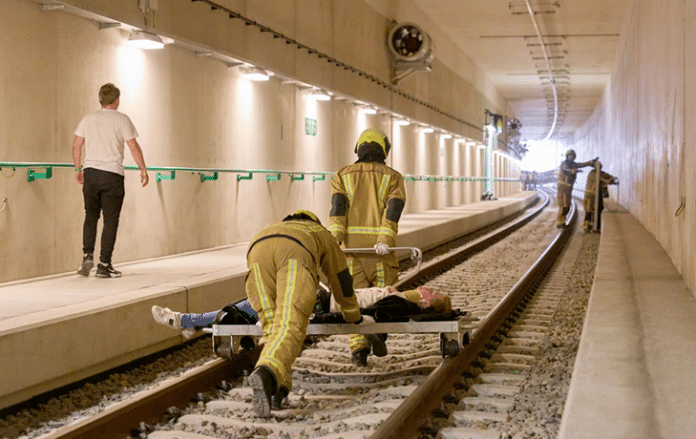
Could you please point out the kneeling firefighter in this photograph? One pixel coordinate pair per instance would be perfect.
(284, 260)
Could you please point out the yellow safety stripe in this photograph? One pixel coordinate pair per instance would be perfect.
(350, 266)
(383, 191)
(358, 342)
(290, 288)
(364, 230)
(387, 231)
(349, 187)
(380, 275)
(337, 228)
(382, 230)
(263, 296)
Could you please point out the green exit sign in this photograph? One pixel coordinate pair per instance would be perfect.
(310, 126)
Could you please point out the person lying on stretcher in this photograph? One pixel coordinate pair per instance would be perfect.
(384, 304)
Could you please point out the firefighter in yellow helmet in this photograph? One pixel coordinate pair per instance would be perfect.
(284, 260)
(366, 204)
(566, 179)
(605, 179)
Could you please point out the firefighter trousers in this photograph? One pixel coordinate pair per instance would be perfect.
(371, 271)
(283, 292)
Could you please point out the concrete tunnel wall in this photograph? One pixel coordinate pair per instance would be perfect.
(195, 111)
(643, 130)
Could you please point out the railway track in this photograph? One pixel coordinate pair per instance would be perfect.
(412, 392)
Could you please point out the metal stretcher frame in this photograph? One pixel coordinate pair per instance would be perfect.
(416, 253)
(454, 335)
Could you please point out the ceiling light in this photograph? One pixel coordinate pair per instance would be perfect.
(320, 95)
(369, 110)
(256, 74)
(427, 129)
(446, 136)
(403, 122)
(145, 40)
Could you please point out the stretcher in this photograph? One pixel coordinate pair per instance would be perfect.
(232, 339)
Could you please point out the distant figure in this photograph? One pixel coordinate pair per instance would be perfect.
(366, 204)
(103, 134)
(284, 260)
(605, 179)
(566, 179)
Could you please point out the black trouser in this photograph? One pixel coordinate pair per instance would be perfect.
(104, 192)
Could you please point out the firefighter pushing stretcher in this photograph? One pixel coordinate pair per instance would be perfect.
(284, 260)
(366, 204)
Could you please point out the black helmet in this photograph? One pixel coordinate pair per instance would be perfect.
(570, 154)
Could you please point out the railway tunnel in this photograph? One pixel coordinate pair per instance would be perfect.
(465, 112)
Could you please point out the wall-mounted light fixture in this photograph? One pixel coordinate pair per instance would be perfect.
(369, 110)
(427, 129)
(145, 40)
(256, 74)
(319, 95)
(402, 122)
(446, 136)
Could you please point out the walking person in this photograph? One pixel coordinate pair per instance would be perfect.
(103, 134)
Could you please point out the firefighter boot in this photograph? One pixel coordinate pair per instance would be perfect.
(359, 357)
(277, 400)
(263, 383)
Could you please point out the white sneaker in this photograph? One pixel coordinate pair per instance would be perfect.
(167, 317)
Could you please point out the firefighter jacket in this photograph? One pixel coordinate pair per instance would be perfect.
(568, 173)
(315, 240)
(604, 180)
(366, 204)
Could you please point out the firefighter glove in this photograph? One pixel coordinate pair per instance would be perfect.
(381, 248)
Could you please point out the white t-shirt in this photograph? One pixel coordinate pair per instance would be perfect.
(105, 132)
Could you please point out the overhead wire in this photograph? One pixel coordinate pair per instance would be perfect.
(548, 66)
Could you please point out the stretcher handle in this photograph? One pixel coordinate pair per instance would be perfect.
(416, 253)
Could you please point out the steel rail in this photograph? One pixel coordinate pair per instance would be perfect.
(407, 420)
(120, 419)
(439, 264)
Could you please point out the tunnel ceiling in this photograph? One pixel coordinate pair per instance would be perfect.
(499, 36)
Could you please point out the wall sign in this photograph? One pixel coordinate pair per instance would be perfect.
(310, 126)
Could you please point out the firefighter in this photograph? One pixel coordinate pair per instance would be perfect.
(366, 204)
(605, 179)
(284, 260)
(566, 179)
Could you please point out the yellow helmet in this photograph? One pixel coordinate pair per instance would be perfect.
(373, 136)
(311, 215)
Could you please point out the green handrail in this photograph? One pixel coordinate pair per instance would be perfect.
(211, 174)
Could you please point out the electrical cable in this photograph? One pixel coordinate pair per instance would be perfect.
(548, 66)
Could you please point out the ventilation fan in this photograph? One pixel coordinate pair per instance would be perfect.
(411, 50)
